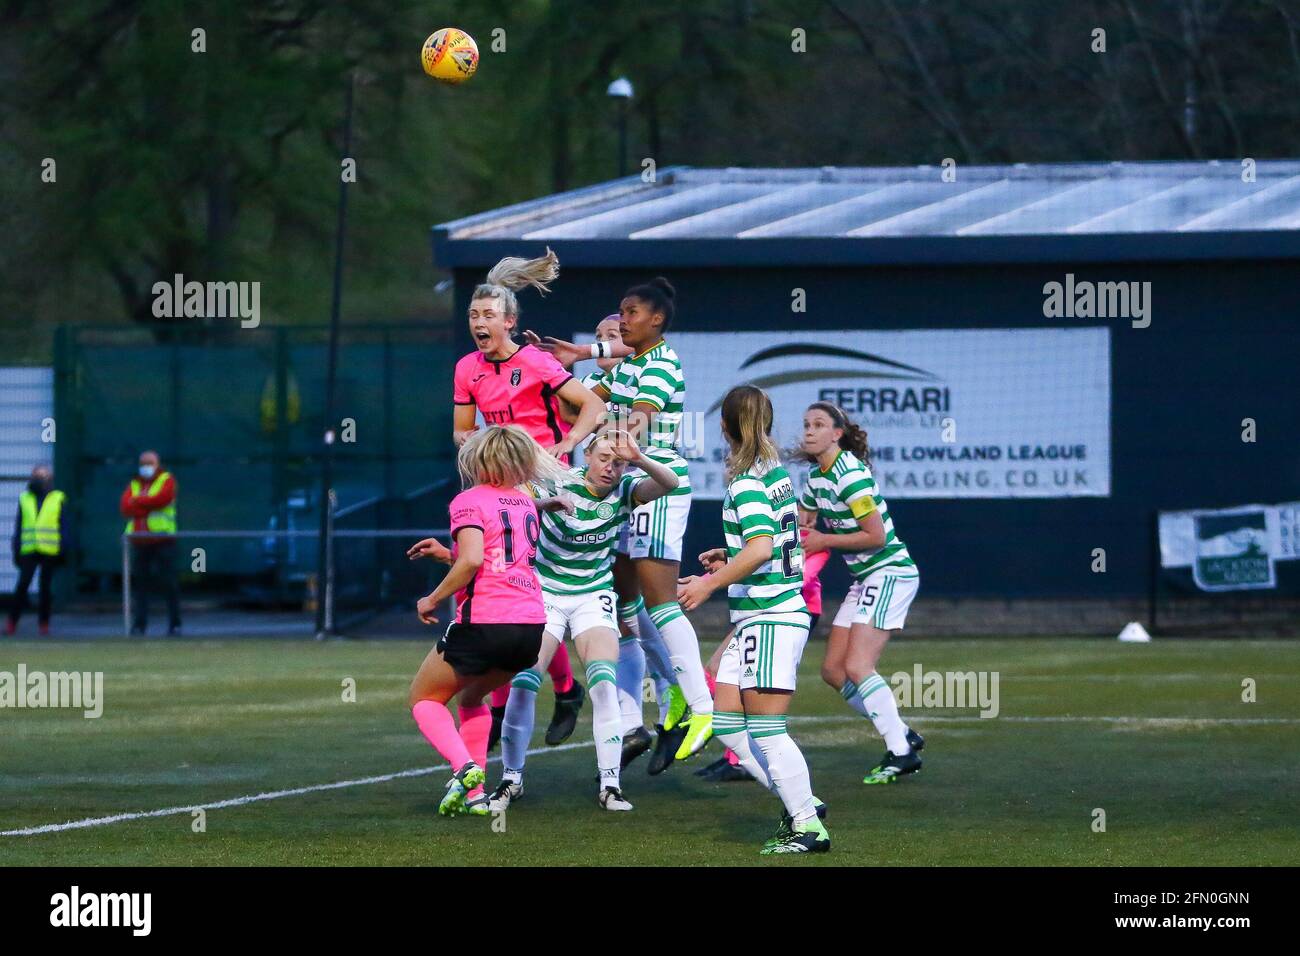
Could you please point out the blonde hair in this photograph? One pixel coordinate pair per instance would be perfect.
(600, 438)
(747, 423)
(505, 456)
(513, 273)
(607, 436)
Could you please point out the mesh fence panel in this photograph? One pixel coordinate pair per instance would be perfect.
(237, 417)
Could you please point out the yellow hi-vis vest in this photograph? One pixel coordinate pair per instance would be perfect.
(40, 532)
(162, 521)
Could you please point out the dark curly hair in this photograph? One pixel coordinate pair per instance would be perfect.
(659, 295)
(854, 438)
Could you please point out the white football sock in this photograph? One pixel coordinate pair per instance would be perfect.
(684, 653)
(606, 721)
(631, 677)
(662, 686)
(517, 725)
(850, 693)
(656, 651)
(629, 617)
(729, 727)
(882, 708)
(786, 765)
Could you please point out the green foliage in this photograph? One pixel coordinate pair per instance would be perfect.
(225, 164)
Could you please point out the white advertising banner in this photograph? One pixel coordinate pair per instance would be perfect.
(969, 413)
(1231, 549)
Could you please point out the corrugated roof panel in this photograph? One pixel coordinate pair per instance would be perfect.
(619, 223)
(547, 218)
(1052, 213)
(726, 221)
(948, 215)
(838, 218)
(1167, 209)
(1287, 220)
(1194, 199)
(1252, 210)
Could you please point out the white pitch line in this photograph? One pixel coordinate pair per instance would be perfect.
(797, 721)
(919, 715)
(255, 798)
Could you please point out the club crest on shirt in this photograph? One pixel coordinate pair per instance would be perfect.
(604, 511)
(515, 376)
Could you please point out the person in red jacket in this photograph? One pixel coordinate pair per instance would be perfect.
(149, 505)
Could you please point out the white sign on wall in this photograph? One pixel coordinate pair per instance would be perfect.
(970, 413)
(1231, 549)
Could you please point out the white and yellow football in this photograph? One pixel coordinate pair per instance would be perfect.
(450, 55)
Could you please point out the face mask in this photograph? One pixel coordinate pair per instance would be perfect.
(37, 485)
(147, 471)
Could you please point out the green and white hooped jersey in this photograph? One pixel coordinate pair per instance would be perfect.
(761, 501)
(590, 380)
(842, 495)
(575, 552)
(655, 378)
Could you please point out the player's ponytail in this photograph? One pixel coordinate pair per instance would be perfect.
(506, 456)
(854, 436)
(747, 423)
(513, 273)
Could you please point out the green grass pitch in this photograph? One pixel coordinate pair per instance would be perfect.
(1157, 736)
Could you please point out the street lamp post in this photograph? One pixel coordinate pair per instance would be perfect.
(621, 90)
(325, 623)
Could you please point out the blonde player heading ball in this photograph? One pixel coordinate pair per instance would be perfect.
(509, 383)
(762, 569)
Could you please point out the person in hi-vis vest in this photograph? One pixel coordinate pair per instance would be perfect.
(149, 505)
(39, 543)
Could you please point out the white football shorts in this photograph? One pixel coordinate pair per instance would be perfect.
(577, 613)
(881, 599)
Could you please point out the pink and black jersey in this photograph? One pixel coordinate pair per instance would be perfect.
(506, 589)
(520, 390)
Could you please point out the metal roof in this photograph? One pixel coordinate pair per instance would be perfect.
(1109, 210)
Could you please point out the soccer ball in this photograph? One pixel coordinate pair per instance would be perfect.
(450, 55)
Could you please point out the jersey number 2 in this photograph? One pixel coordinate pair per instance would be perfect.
(787, 549)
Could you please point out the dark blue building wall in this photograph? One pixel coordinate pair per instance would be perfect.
(1223, 345)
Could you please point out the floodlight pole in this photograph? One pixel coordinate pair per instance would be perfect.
(622, 139)
(621, 91)
(325, 553)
